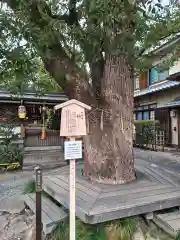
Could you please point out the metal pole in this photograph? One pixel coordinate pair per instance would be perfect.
(38, 203)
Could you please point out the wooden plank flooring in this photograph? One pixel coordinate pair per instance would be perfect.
(51, 213)
(153, 190)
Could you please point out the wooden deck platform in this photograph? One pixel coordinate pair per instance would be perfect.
(154, 189)
(169, 221)
(51, 213)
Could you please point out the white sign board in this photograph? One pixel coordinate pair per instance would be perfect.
(72, 150)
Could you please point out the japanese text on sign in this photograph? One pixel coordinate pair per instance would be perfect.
(73, 150)
(73, 121)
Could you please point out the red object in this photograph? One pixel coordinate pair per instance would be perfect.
(43, 134)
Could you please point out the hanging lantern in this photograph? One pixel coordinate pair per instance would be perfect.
(22, 112)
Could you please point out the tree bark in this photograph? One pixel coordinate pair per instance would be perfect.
(109, 145)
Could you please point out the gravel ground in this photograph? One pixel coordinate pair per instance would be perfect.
(12, 184)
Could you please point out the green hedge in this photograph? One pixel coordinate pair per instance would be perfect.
(10, 152)
(146, 132)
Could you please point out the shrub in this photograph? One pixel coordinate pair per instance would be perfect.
(178, 236)
(30, 187)
(52, 120)
(146, 132)
(9, 150)
(123, 229)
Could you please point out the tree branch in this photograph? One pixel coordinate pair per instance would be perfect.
(96, 66)
(56, 61)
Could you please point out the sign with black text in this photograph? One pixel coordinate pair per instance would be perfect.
(72, 150)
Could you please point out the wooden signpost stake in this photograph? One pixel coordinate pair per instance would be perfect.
(73, 124)
(38, 203)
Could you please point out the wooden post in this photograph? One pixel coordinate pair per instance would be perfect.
(72, 187)
(73, 123)
(38, 203)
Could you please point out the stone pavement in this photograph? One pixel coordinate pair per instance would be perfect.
(16, 222)
(167, 160)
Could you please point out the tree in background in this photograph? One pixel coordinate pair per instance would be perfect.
(107, 37)
(21, 70)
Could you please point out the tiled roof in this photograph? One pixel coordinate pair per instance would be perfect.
(156, 88)
(34, 96)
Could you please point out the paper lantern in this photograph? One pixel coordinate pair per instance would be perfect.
(22, 112)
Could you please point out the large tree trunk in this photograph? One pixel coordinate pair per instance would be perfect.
(109, 145)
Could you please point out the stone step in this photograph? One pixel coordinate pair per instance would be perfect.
(42, 148)
(44, 153)
(30, 167)
(44, 166)
(51, 213)
(168, 221)
(46, 160)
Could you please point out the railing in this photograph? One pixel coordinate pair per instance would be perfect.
(160, 138)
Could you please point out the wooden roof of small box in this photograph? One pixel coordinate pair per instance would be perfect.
(73, 121)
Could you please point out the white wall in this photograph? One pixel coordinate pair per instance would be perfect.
(174, 133)
(175, 68)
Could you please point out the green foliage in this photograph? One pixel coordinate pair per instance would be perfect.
(116, 230)
(123, 229)
(81, 31)
(43, 82)
(146, 132)
(178, 236)
(26, 75)
(9, 150)
(30, 187)
(52, 120)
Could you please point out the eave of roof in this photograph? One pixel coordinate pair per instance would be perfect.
(156, 88)
(55, 97)
(170, 104)
(174, 77)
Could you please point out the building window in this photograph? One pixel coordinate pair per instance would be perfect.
(155, 75)
(146, 115)
(139, 116)
(136, 83)
(145, 112)
(163, 75)
(152, 115)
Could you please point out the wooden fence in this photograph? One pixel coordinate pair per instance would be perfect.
(33, 138)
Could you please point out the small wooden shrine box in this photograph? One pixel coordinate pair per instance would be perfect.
(73, 120)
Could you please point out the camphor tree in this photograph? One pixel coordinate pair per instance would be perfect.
(92, 49)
